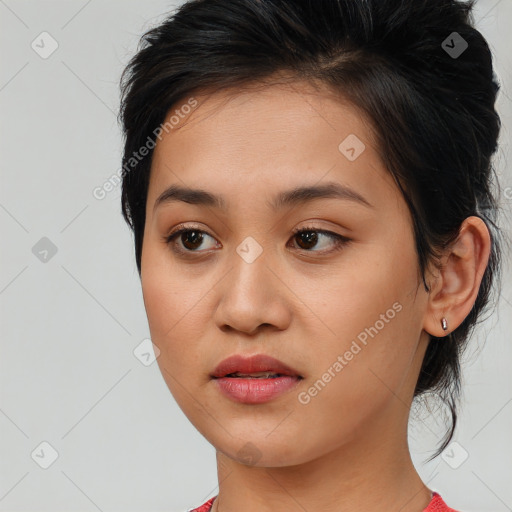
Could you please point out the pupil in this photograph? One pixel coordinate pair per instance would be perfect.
(196, 237)
(310, 237)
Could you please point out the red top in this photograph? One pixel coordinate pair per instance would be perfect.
(436, 505)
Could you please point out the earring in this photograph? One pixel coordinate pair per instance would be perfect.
(444, 324)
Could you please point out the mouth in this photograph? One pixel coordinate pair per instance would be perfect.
(259, 366)
(258, 375)
(254, 380)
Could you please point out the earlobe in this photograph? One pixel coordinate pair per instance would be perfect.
(456, 287)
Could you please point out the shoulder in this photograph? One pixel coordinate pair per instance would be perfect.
(437, 504)
(205, 507)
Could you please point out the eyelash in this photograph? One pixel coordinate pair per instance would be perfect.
(340, 241)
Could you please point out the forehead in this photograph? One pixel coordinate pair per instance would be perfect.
(263, 138)
(265, 113)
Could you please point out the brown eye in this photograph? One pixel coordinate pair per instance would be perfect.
(190, 240)
(309, 237)
(187, 241)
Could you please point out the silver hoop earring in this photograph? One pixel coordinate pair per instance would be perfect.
(444, 324)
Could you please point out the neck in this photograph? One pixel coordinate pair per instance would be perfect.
(359, 475)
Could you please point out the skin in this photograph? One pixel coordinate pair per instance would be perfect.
(346, 449)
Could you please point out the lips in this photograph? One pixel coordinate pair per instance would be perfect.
(254, 380)
(256, 366)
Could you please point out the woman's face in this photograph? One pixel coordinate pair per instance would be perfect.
(346, 313)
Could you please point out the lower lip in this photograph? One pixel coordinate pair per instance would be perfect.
(255, 391)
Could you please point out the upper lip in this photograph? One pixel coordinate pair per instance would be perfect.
(252, 364)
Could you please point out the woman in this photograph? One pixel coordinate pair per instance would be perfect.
(310, 189)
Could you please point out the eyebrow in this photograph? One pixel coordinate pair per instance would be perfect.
(288, 198)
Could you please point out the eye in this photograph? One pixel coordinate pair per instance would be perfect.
(310, 236)
(192, 238)
(189, 241)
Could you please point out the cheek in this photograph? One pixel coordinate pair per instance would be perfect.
(368, 296)
(371, 320)
(173, 322)
(169, 296)
(173, 310)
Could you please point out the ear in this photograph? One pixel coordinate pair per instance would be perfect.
(455, 285)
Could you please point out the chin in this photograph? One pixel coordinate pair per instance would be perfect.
(261, 451)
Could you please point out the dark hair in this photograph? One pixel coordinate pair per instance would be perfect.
(432, 111)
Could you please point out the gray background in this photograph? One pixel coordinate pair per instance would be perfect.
(70, 324)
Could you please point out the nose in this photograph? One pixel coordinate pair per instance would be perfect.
(253, 296)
